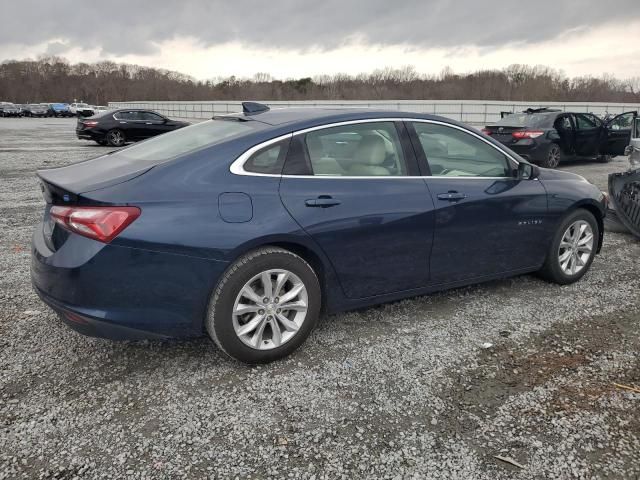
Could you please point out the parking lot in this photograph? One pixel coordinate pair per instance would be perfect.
(432, 387)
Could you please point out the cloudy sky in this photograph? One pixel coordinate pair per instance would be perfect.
(293, 38)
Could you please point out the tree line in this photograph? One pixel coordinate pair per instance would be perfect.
(53, 79)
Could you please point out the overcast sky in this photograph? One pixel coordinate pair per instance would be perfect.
(294, 38)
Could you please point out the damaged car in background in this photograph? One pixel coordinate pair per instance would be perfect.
(546, 136)
(624, 187)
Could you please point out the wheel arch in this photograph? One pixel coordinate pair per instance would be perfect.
(593, 208)
(329, 285)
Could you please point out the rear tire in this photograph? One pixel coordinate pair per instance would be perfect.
(247, 316)
(572, 249)
(552, 160)
(115, 137)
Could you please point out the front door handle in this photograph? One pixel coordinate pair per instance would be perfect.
(451, 196)
(322, 202)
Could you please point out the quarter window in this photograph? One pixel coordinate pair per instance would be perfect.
(454, 153)
(358, 150)
(268, 160)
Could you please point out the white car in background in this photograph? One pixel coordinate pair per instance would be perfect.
(81, 109)
(99, 108)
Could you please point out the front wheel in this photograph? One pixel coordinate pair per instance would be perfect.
(115, 137)
(604, 158)
(552, 160)
(265, 306)
(573, 248)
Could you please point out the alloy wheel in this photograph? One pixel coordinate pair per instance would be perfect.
(270, 309)
(554, 158)
(576, 247)
(116, 138)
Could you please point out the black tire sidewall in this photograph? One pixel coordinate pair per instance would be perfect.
(219, 317)
(552, 266)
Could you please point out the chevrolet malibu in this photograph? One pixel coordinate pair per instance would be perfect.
(247, 226)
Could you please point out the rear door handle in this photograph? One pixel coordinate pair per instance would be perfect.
(322, 202)
(451, 196)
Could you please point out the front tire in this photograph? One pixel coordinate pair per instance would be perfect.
(552, 160)
(604, 158)
(116, 137)
(265, 306)
(573, 248)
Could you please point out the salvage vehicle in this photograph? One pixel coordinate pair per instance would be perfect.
(624, 188)
(35, 110)
(546, 136)
(246, 226)
(116, 127)
(81, 109)
(59, 110)
(10, 110)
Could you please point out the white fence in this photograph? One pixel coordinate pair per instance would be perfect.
(474, 112)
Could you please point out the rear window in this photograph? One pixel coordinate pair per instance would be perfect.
(188, 139)
(537, 120)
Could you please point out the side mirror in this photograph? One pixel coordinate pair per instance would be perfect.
(527, 171)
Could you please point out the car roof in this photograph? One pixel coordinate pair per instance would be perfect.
(321, 115)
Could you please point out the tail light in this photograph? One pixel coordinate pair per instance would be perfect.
(98, 223)
(90, 123)
(486, 131)
(527, 134)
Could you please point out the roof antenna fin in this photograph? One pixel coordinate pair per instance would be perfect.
(252, 108)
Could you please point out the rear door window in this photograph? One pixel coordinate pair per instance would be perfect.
(585, 121)
(356, 150)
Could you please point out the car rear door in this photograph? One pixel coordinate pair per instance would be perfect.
(487, 221)
(589, 131)
(617, 134)
(354, 188)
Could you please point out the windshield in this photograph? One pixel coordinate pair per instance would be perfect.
(81, 105)
(537, 120)
(169, 145)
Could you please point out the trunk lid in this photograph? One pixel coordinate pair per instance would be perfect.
(503, 133)
(66, 186)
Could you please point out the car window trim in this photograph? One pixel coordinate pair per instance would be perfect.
(425, 158)
(237, 166)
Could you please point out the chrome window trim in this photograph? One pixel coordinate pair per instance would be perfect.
(237, 167)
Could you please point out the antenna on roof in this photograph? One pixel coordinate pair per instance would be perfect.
(252, 108)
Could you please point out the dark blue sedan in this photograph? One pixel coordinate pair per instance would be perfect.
(247, 226)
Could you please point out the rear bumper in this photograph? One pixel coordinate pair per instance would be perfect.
(90, 135)
(531, 150)
(122, 292)
(77, 320)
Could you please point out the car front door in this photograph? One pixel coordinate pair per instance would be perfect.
(355, 189)
(487, 221)
(617, 134)
(589, 130)
(154, 124)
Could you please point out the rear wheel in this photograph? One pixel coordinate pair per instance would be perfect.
(265, 306)
(552, 160)
(573, 248)
(115, 137)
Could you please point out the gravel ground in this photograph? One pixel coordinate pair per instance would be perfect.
(405, 390)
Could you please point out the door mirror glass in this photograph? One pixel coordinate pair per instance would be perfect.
(526, 171)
